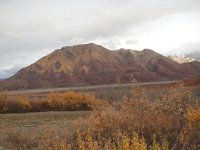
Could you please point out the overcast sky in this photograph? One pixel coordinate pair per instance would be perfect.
(30, 29)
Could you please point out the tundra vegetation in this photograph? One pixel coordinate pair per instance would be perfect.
(148, 119)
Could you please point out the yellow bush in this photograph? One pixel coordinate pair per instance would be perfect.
(3, 102)
(52, 102)
(19, 104)
(193, 116)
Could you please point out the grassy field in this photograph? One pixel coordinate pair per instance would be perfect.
(34, 122)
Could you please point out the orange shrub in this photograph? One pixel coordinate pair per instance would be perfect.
(68, 101)
(72, 101)
(3, 102)
(19, 104)
(162, 121)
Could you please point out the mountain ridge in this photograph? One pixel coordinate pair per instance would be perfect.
(91, 64)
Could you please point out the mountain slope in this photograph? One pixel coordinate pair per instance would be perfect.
(91, 64)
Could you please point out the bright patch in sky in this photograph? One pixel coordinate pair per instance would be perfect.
(164, 35)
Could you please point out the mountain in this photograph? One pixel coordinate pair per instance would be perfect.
(192, 66)
(181, 59)
(91, 64)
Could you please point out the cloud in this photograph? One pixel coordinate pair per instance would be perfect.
(187, 48)
(34, 28)
(9, 71)
(132, 41)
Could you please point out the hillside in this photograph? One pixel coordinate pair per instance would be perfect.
(91, 64)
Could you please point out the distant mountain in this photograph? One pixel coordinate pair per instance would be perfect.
(181, 59)
(91, 64)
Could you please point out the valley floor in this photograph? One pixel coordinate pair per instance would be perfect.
(35, 122)
(62, 89)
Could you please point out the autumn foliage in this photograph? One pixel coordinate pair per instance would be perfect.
(170, 120)
(68, 101)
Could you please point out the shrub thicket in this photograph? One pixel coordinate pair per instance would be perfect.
(169, 121)
(68, 101)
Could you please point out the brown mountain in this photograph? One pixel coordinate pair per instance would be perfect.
(91, 64)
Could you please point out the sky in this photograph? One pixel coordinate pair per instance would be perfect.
(31, 29)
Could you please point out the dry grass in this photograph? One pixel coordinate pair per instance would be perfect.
(31, 126)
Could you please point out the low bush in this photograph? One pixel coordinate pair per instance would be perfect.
(68, 101)
(170, 121)
(3, 102)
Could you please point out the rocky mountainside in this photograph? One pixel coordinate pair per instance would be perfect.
(91, 64)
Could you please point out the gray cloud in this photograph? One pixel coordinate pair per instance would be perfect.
(132, 41)
(185, 49)
(32, 29)
(6, 72)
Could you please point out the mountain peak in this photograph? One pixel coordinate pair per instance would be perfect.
(83, 48)
(146, 50)
(83, 45)
(88, 45)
